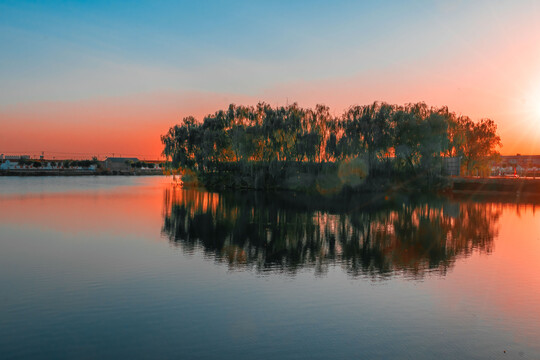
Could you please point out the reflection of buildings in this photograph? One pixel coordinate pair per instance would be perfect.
(269, 233)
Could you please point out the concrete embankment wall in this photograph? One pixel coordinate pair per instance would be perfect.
(496, 185)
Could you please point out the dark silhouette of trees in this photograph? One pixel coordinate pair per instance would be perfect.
(263, 142)
(271, 232)
(421, 136)
(480, 140)
(372, 126)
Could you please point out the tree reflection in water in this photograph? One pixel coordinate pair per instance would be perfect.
(286, 232)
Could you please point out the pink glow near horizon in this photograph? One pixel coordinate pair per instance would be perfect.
(132, 124)
(64, 93)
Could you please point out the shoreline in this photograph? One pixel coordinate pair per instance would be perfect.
(492, 186)
(464, 186)
(456, 185)
(68, 172)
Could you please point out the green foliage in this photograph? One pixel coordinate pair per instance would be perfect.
(353, 172)
(421, 136)
(371, 128)
(393, 140)
(478, 144)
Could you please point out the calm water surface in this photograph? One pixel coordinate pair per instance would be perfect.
(118, 267)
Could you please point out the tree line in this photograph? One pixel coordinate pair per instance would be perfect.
(410, 138)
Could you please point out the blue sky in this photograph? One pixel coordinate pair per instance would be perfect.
(481, 58)
(62, 50)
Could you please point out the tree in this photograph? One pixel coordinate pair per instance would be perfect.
(480, 145)
(421, 136)
(407, 137)
(373, 126)
(433, 142)
(418, 135)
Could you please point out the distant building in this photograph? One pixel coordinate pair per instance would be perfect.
(521, 165)
(120, 163)
(521, 160)
(17, 157)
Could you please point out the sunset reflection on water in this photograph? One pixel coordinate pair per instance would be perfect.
(118, 258)
(365, 237)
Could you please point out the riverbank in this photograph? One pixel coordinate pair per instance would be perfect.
(330, 183)
(489, 186)
(328, 178)
(324, 183)
(77, 172)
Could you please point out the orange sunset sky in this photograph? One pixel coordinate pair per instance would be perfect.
(78, 80)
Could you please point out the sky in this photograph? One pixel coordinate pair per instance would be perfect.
(84, 78)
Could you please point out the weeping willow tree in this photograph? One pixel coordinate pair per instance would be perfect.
(406, 140)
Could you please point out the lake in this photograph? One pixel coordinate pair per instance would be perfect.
(132, 267)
